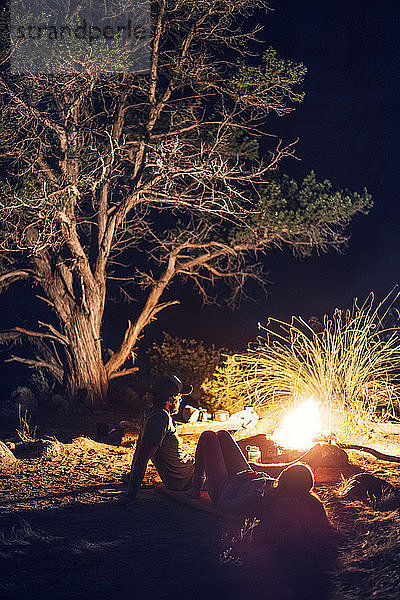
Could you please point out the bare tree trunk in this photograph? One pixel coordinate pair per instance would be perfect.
(79, 306)
(85, 371)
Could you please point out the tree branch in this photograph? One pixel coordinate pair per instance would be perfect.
(61, 338)
(57, 372)
(58, 338)
(61, 133)
(378, 455)
(10, 278)
(124, 372)
(148, 312)
(155, 54)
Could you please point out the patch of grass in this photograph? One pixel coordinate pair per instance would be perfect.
(370, 553)
(23, 535)
(26, 432)
(351, 366)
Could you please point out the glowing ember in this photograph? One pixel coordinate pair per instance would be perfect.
(299, 427)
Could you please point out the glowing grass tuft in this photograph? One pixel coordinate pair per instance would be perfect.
(352, 367)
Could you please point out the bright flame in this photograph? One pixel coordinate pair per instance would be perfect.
(299, 427)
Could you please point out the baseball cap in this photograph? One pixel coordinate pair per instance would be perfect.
(170, 385)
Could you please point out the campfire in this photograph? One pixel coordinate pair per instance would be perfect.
(300, 427)
(303, 434)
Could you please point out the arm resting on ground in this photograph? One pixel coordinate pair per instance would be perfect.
(138, 469)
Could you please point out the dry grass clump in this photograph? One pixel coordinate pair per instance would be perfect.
(369, 565)
(350, 365)
(25, 432)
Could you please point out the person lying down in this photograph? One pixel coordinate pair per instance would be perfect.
(286, 543)
(237, 489)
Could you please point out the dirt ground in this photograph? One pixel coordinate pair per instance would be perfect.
(64, 535)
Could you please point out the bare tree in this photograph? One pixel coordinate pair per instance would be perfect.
(172, 172)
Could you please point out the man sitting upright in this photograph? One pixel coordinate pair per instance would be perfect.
(160, 442)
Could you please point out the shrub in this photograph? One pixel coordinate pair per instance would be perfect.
(191, 360)
(222, 390)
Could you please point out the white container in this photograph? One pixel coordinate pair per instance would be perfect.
(246, 418)
(190, 414)
(221, 415)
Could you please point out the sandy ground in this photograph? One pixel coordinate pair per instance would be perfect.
(64, 535)
(98, 549)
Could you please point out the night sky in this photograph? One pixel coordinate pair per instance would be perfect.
(348, 127)
(348, 130)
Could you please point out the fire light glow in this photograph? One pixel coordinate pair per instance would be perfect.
(299, 427)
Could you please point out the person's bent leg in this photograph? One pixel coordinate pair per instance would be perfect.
(234, 458)
(209, 460)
